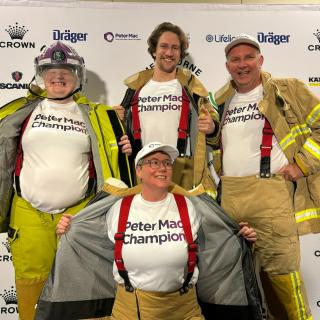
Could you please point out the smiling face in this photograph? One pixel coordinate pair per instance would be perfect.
(167, 54)
(155, 182)
(59, 82)
(244, 63)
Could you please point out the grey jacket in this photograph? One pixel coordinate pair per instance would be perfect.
(81, 283)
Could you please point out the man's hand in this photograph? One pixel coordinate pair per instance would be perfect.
(247, 232)
(291, 172)
(125, 145)
(205, 122)
(120, 111)
(64, 224)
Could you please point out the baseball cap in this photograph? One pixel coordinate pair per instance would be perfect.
(156, 146)
(242, 38)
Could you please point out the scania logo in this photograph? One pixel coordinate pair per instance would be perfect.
(17, 33)
(16, 76)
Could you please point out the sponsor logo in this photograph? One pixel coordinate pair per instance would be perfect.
(184, 64)
(16, 76)
(317, 253)
(6, 257)
(17, 33)
(318, 303)
(10, 298)
(115, 36)
(219, 38)
(315, 47)
(67, 35)
(270, 37)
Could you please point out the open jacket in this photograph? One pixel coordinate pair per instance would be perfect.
(197, 141)
(103, 127)
(81, 283)
(294, 115)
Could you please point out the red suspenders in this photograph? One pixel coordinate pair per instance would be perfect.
(266, 147)
(119, 240)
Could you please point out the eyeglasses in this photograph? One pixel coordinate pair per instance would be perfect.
(156, 164)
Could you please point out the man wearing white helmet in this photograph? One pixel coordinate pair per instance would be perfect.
(60, 148)
(270, 138)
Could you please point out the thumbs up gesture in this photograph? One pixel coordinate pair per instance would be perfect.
(205, 122)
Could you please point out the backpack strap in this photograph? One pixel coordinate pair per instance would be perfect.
(136, 127)
(119, 239)
(265, 149)
(192, 246)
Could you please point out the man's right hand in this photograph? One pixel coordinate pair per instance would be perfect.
(120, 111)
(64, 224)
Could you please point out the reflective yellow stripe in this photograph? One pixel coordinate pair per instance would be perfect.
(212, 194)
(308, 214)
(297, 130)
(113, 144)
(296, 286)
(314, 115)
(312, 147)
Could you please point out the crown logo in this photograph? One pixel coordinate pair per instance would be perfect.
(10, 296)
(7, 245)
(17, 32)
(317, 34)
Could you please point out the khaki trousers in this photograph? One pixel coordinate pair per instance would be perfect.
(155, 305)
(267, 204)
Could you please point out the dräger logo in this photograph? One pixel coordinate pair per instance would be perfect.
(111, 36)
(10, 297)
(270, 37)
(67, 35)
(16, 32)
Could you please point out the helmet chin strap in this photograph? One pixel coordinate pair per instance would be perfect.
(56, 99)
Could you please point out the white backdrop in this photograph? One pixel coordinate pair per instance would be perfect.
(112, 38)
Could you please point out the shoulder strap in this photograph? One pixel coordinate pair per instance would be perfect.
(192, 247)
(265, 148)
(119, 239)
(136, 127)
(183, 131)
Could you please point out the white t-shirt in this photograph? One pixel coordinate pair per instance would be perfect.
(159, 108)
(56, 149)
(155, 252)
(242, 136)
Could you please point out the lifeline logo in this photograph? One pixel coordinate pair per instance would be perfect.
(315, 47)
(110, 36)
(17, 32)
(10, 297)
(16, 76)
(219, 38)
(67, 35)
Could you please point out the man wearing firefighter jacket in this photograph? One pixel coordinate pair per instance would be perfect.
(270, 138)
(57, 149)
(170, 105)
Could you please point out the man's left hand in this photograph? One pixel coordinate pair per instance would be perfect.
(291, 172)
(125, 145)
(205, 122)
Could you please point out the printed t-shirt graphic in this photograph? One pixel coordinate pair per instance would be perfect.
(242, 136)
(56, 148)
(155, 251)
(159, 108)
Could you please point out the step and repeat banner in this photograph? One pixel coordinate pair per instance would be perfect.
(112, 38)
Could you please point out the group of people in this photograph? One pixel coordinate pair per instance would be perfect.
(58, 149)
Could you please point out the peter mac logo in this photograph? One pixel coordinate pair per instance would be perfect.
(315, 47)
(67, 35)
(115, 36)
(17, 33)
